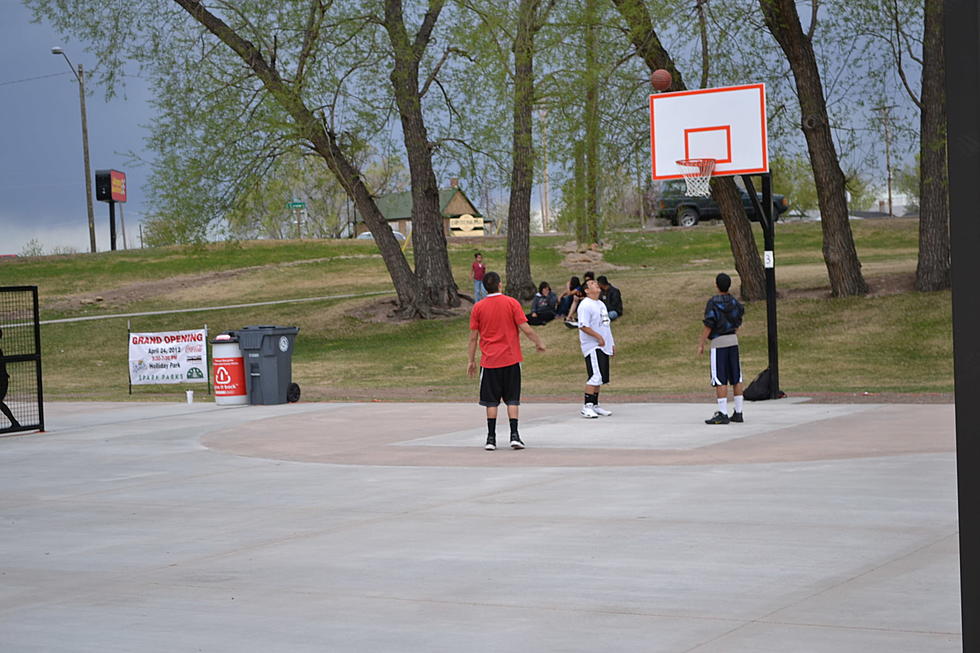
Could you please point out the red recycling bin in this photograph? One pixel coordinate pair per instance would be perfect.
(228, 371)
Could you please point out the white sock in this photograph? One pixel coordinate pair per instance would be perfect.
(738, 403)
(723, 405)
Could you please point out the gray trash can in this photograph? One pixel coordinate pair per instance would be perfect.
(268, 354)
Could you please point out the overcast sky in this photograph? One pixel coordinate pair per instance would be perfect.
(42, 180)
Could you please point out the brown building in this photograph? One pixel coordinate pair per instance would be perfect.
(459, 217)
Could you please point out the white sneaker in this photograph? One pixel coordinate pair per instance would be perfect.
(588, 410)
(599, 410)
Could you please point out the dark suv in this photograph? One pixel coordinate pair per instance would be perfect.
(685, 211)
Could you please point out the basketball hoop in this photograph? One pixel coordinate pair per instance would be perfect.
(697, 174)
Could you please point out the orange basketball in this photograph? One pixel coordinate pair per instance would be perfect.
(661, 79)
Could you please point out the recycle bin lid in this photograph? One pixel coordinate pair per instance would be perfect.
(275, 330)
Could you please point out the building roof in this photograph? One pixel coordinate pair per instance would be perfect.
(452, 204)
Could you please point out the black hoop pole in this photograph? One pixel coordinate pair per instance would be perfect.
(112, 226)
(767, 220)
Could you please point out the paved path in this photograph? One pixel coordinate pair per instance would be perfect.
(386, 527)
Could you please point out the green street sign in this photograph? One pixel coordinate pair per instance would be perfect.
(296, 205)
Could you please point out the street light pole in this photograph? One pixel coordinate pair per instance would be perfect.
(80, 76)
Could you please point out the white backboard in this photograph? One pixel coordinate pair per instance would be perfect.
(727, 124)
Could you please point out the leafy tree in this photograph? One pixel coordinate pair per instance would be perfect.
(795, 181)
(862, 190)
(428, 236)
(650, 49)
(277, 75)
(934, 268)
(908, 182)
(840, 253)
(33, 247)
(531, 15)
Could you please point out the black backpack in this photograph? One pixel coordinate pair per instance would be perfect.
(759, 389)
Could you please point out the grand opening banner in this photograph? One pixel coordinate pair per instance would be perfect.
(168, 357)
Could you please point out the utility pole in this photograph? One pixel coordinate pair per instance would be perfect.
(80, 76)
(88, 166)
(886, 122)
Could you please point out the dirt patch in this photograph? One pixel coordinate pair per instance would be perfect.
(138, 291)
(882, 285)
(589, 258)
(382, 311)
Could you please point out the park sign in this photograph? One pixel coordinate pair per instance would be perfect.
(168, 357)
(110, 186)
(466, 225)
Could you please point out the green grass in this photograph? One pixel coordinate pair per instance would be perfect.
(896, 342)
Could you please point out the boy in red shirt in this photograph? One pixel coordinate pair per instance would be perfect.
(476, 274)
(494, 324)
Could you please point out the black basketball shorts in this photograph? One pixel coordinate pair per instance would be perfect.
(500, 384)
(725, 366)
(597, 367)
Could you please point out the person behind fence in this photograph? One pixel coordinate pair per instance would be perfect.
(4, 385)
(544, 306)
(573, 290)
(611, 297)
(477, 271)
(722, 318)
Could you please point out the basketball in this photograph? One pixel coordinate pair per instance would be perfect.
(661, 79)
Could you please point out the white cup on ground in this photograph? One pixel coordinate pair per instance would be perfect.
(190, 396)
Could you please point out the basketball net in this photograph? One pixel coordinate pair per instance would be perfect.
(697, 174)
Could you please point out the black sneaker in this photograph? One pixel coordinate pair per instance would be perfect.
(736, 417)
(515, 441)
(719, 418)
(491, 443)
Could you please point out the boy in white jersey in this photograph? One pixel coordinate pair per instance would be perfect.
(598, 347)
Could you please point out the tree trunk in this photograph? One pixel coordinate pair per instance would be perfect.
(578, 198)
(412, 302)
(933, 270)
(412, 299)
(745, 252)
(839, 252)
(519, 281)
(428, 234)
(741, 237)
(591, 125)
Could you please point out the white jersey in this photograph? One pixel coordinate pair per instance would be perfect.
(592, 313)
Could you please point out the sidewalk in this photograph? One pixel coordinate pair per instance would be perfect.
(386, 527)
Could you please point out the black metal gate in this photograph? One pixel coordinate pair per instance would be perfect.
(21, 396)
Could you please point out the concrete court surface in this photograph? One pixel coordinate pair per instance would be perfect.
(386, 527)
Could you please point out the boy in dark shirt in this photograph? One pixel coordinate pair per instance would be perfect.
(611, 297)
(722, 318)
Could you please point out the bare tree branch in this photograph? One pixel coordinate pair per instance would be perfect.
(705, 58)
(428, 24)
(439, 64)
(310, 37)
(541, 16)
(814, 8)
(898, 57)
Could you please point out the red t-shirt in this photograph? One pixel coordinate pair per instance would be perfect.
(497, 318)
(479, 269)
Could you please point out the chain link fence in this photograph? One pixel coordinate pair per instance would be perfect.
(21, 396)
